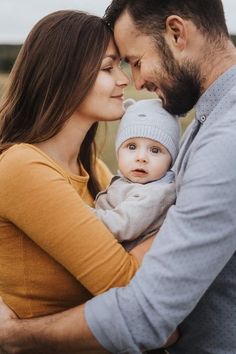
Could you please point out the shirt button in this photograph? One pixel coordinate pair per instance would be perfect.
(202, 118)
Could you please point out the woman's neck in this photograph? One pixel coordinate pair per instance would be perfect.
(64, 147)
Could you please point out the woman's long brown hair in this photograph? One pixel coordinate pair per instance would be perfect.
(54, 71)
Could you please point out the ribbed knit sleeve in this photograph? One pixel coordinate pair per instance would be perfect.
(39, 200)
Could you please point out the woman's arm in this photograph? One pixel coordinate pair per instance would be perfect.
(141, 249)
(40, 201)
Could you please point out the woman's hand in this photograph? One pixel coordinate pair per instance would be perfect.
(7, 318)
(141, 249)
(5, 313)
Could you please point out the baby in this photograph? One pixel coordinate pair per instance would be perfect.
(135, 204)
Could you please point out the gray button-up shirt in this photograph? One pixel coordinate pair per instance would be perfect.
(188, 278)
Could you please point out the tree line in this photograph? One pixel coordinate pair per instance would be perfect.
(9, 52)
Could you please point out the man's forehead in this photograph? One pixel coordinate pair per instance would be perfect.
(127, 37)
(129, 54)
(124, 22)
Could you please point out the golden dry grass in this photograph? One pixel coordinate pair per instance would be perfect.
(3, 81)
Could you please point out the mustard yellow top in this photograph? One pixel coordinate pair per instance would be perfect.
(54, 253)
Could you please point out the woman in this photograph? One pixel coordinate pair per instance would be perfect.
(55, 254)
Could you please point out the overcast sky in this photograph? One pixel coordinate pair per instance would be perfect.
(17, 17)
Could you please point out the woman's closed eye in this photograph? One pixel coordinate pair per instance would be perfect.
(108, 69)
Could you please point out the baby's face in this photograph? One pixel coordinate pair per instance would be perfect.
(143, 160)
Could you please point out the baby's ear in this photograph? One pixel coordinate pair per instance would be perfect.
(128, 102)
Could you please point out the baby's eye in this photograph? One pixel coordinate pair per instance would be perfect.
(131, 146)
(155, 150)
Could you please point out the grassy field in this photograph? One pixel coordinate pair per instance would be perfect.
(107, 132)
(3, 81)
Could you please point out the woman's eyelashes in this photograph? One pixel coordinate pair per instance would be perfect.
(108, 68)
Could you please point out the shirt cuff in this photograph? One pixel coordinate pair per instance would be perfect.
(113, 334)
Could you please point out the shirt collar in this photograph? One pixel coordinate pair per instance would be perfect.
(211, 97)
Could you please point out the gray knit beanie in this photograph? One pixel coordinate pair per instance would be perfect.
(148, 119)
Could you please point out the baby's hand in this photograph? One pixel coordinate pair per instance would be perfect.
(172, 339)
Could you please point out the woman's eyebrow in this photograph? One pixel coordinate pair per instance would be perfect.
(112, 56)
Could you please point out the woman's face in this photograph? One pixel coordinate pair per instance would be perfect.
(104, 102)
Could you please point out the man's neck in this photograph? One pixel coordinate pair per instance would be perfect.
(216, 62)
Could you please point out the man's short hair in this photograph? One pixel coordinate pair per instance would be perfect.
(150, 16)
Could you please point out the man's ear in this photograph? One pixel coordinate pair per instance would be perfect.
(176, 32)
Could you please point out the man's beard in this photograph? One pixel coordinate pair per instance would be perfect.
(180, 85)
(183, 91)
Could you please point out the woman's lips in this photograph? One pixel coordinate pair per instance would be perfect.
(119, 97)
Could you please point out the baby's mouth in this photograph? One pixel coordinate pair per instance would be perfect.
(139, 172)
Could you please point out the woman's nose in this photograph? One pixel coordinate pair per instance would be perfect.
(122, 78)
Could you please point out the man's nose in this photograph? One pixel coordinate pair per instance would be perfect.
(139, 82)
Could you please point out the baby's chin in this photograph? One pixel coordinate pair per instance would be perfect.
(141, 180)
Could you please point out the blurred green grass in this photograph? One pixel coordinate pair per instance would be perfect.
(105, 139)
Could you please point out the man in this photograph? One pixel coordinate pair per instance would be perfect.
(181, 50)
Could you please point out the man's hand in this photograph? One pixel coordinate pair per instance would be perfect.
(66, 333)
